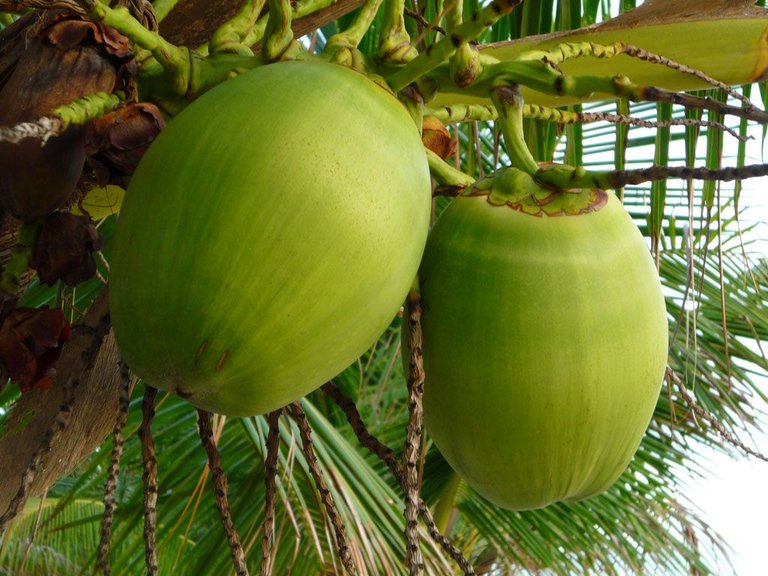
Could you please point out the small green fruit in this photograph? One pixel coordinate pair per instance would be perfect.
(545, 344)
(269, 236)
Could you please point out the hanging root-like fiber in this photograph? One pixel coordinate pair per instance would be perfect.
(270, 464)
(150, 480)
(220, 491)
(342, 545)
(110, 486)
(396, 467)
(413, 557)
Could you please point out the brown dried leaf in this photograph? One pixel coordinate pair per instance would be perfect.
(436, 137)
(64, 249)
(124, 135)
(70, 31)
(30, 343)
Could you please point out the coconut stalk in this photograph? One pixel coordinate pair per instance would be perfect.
(723, 38)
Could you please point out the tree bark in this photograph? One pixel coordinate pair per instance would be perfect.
(192, 22)
(90, 362)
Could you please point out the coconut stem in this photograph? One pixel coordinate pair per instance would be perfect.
(79, 111)
(570, 177)
(110, 486)
(270, 481)
(220, 491)
(231, 35)
(150, 479)
(395, 43)
(443, 49)
(174, 59)
(509, 104)
(278, 33)
(302, 9)
(353, 35)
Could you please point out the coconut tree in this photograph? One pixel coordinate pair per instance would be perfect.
(342, 479)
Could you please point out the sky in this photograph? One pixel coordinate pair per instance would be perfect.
(734, 501)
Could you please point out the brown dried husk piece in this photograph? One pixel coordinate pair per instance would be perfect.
(121, 137)
(64, 249)
(436, 137)
(30, 343)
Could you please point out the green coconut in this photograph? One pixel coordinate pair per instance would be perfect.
(545, 343)
(269, 236)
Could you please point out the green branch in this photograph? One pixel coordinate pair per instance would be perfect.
(175, 60)
(463, 113)
(88, 108)
(351, 37)
(509, 104)
(302, 9)
(565, 177)
(439, 52)
(231, 35)
(163, 8)
(445, 174)
(279, 34)
(395, 43)
(78, 111)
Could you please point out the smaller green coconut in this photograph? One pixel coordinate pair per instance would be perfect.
(545, 343)
(269, 236)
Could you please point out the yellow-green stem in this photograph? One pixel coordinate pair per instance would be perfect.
(302, 9)
(278, 34)
(437, 53)
(230, 35)
(445, 174)
(163, 8)
(352, 36)
(454, 14)
(395, 43)
(174, 59)
(446, 504)
(509, 104)
(88, 108)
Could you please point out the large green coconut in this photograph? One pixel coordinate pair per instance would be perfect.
(545, 344)
(269, 236)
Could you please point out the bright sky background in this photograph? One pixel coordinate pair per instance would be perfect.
(734, 499)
